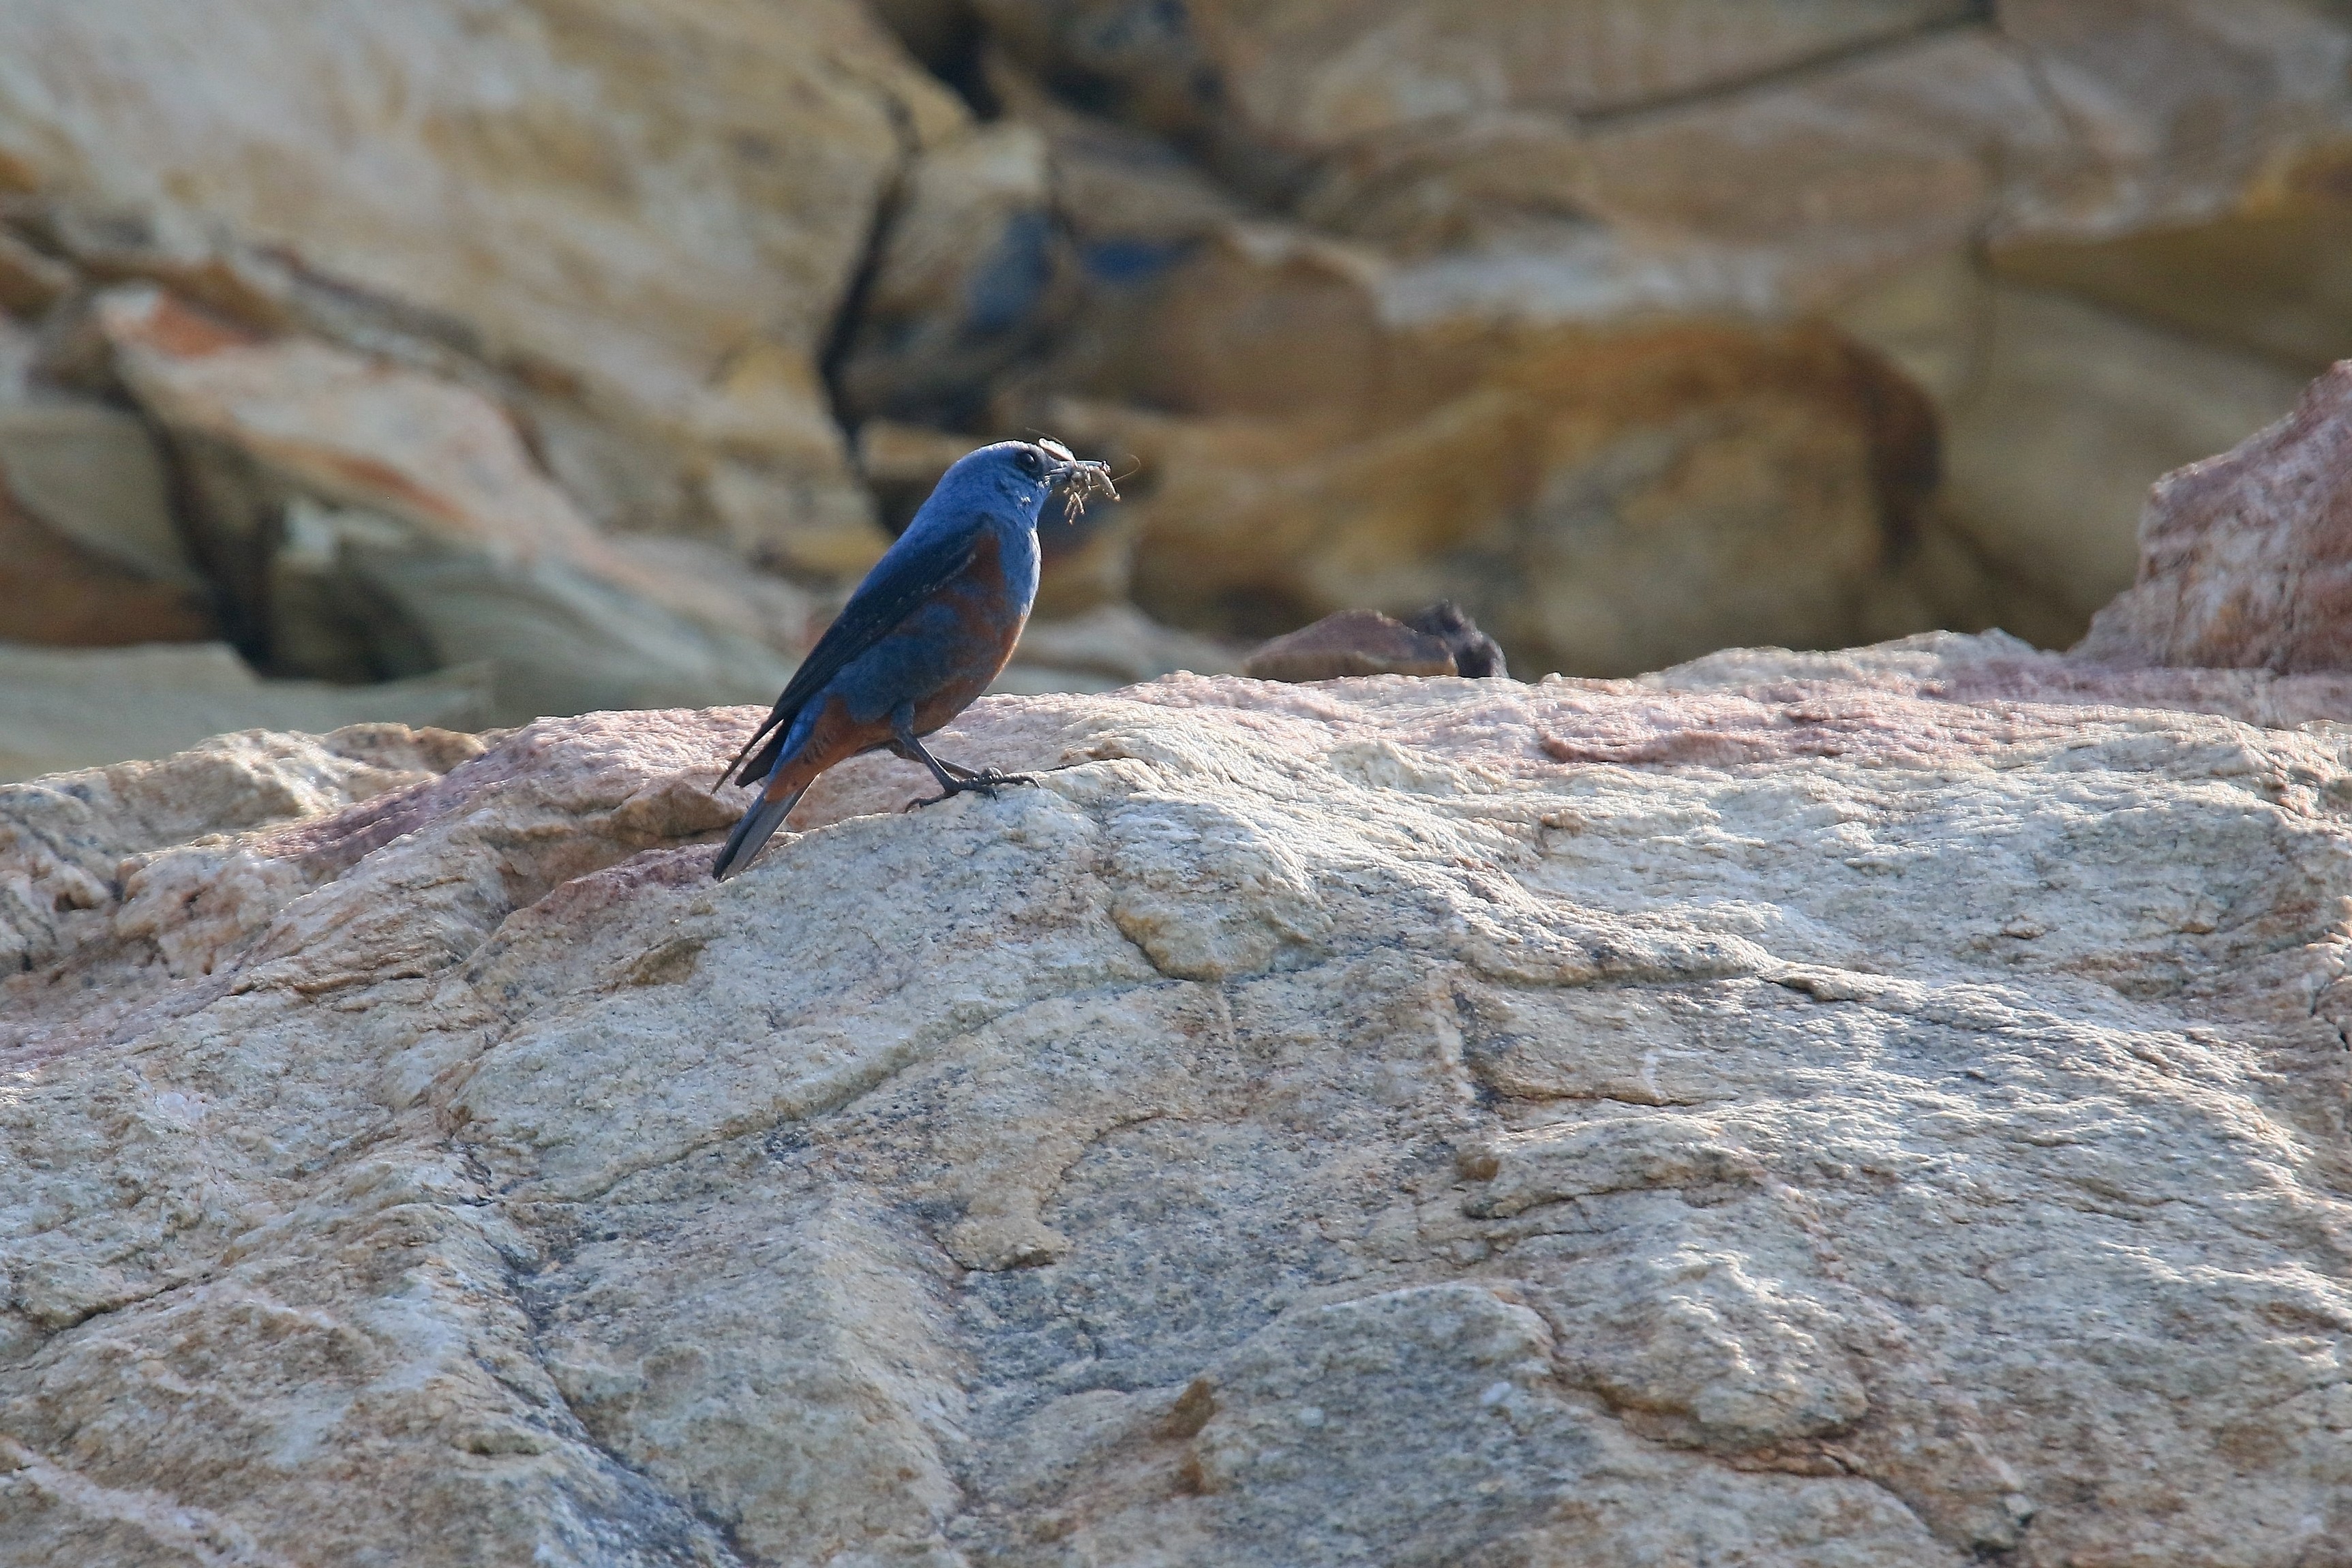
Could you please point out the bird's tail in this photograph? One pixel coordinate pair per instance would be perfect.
(767, 814)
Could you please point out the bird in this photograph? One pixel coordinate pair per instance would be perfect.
(926, 632)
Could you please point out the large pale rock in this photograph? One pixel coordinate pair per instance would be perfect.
(2069, 120)
(1294, 78)
(30, 283)
(2175, 106)
(1801, 192)
(89, 553)
(372, 521)
(647, 215)
(1883, 1107)
(1911, 128)
(2246, 559)
(1315, 73)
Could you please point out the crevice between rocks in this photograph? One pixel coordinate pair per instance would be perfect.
(529, 1303)
(841, 335)
(1980, 15)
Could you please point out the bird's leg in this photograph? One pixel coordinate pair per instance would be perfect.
(906, 755)
(953, 780)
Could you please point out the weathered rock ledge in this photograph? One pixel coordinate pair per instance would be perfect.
(1885, 1107)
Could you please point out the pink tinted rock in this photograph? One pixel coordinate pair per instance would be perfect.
(1868, 980)
(2246, 558)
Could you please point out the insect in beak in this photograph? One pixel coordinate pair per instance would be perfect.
(1080, 478)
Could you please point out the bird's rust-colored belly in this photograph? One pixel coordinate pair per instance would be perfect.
(987, 626)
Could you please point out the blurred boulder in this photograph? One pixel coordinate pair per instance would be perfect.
(905, 463)
(1268, 87)
(1477, 179)
(2272, 274)
(57, 592)
(1353, 642)
(367, 520)
(30, 283)
(1913, 123)
(94, 475)
(63, 708)
(1799, 193)
(2246, 559)
(1129, 206)
(2173, 108)
(1603, 499)
(20, 349)
(942, 34)
(89, 554)
(624, 213)
(1452, 184)
(2071, 414)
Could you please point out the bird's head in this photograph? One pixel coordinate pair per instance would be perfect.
(1029, 472)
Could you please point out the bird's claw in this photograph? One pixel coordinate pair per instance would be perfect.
(987, 782)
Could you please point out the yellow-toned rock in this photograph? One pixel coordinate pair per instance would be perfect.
(1600, 500)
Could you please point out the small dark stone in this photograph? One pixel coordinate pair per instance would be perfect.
(1474, 653)
(1351, 643)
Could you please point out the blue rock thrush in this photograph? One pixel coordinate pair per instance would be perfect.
(930, 626)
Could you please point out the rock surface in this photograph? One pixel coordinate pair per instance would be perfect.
(2246, 558)
(645, 217)
(57, 592)
(1885, 1107)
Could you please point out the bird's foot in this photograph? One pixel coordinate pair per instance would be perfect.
(987, 782)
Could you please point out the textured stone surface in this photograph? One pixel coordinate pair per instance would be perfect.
(1885, 1107)
(2246, 559)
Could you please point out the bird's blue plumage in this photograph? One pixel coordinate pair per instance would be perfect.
(925, 633)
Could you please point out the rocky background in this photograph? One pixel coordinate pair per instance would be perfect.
(463, 362)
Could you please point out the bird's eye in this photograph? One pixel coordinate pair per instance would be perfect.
(1034, 463)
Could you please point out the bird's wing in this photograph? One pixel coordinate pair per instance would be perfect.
(901, 583)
